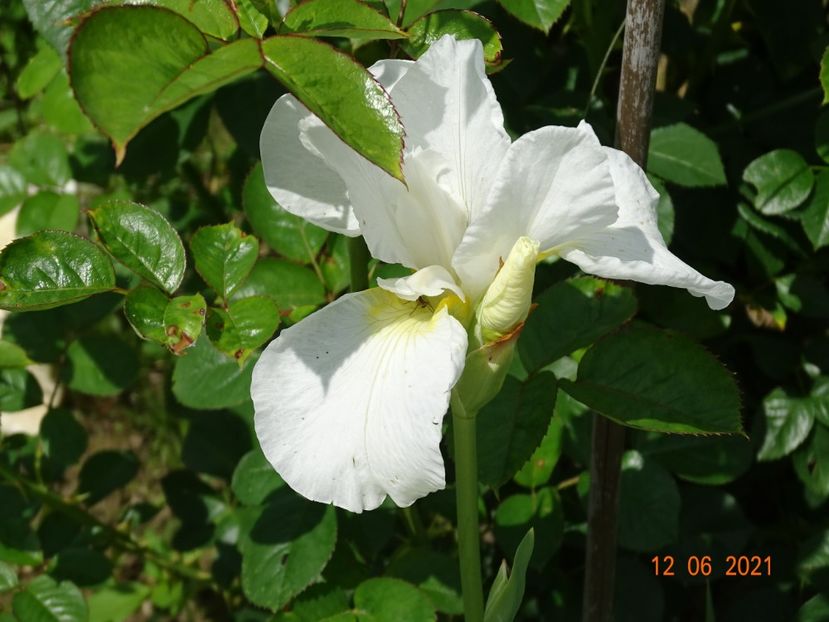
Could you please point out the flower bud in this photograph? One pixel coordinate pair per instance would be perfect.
(506, 303)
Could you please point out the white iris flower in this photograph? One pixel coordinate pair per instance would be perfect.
(350, 401)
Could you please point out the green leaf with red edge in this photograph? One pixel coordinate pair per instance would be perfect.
(183, 321)
(461, 25)
(540, 14)
(141, 239)
(243, 326)
(340, 18)
(213, 17)
(130, 64)
(343, 94)
(650, 379)
(224, 255)
(52, 268)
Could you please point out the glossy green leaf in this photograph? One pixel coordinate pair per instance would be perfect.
(254, 479)
(105, 472)
(8, 577)
(64, 439)
(205, 378)
(100, 365)
(540, 14)
(649, 504)
(12, 356)
(38, 72)
(291, 236)
(340, 18)
(144, 308)
(542, 511)
(253, 21)
(52, 268)
(393, 599)
(224, 255)
(649, 379)
(289, 285)
(18, 390)
(141, 239)
(512, 425)
(285, 545)
(243, 326)
(213, 17)
(342, 94)
(459, 24)
(183, 321)
(824, 75)
(42, 159)
(12, 188)
(571, 315)
(169, 61)
(788, 421)
(46, 600)
(55, 19)
(685, 156)
(815, 216)
(48, 210)
(507, 591)
(782, 179)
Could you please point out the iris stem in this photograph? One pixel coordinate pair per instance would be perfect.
(358, 257)
(466, 490)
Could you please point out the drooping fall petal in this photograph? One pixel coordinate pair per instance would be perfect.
(349, 402)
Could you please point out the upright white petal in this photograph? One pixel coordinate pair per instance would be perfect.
(447, 105)
(554, 186)
(429, 281)
(389, 71)
(349, 402)
(632, 247)
(298, 177)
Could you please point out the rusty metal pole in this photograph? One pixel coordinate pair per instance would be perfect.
(643, 33)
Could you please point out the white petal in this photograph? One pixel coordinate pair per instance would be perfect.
(389, 71)
(632, 248)
(429, 281)
(416, 226)
(298, 178)
(349, 402)
(554, 185)
(447, 105)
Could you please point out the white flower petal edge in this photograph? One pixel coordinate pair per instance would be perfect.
(447, 105)
(299, 178)
(349, 402)
(554, 185)
(429, 281)
(632, 247)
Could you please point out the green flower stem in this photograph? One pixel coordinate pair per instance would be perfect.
(466, 488)
(358, 257)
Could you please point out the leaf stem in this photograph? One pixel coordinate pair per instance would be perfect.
(466, 490)
(358, 257)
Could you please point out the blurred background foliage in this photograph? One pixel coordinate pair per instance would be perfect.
(142, 494)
